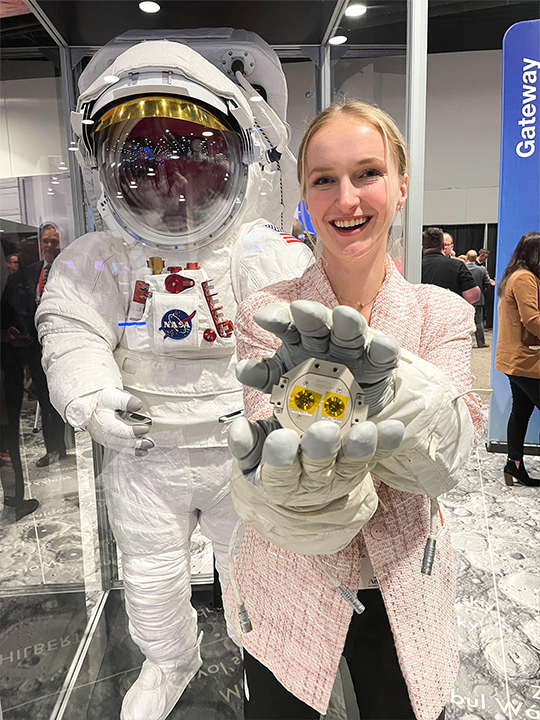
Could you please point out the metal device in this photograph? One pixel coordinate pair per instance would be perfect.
(318, 390)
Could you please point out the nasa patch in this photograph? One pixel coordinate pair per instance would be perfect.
(176, 324)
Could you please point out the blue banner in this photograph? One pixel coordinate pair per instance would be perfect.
(519, 185)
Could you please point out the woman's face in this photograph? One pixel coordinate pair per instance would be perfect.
(351, 194)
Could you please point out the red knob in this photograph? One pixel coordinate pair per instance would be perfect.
(174, 284)
(174, 269)
(192, 266)
(209, 335)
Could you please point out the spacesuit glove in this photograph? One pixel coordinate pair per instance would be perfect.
(310, 330)
(97, 413)
(309, 496)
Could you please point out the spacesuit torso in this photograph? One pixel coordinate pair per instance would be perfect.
(174, 330)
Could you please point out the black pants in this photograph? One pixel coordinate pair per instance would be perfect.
(479, 322)
(379, 686)
(525, 397)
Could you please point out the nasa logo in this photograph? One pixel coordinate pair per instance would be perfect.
(176, 324)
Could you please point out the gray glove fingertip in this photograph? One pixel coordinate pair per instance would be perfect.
(139, 430)
(252, 372)
(321, 440)
(348, 327)
(277, 319)
(361, 441)
(390, 433)
(144, 444)
(281, 448)
(383, 352)
(134, 404)
(311, 318)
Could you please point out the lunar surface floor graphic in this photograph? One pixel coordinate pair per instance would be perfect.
(496, 538)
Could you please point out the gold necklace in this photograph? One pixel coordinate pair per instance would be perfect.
(360, 305)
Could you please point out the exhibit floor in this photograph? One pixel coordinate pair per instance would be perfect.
(53, 661)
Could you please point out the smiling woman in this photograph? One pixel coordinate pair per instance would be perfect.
(352, 169)
(402, 649)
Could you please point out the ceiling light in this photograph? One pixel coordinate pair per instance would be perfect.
(338, 40)
(87, 121)
(111, 79)
(55, 182)
(148, 6)
(355, 10)
(207, 133)
(73, 146)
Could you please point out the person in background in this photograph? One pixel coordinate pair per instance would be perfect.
(518, 348)
(436, 270)
(463, 258)
(481, 278)
(14, 341)
(448, 245)
(13, 262)
(483, 255)
(23, 291)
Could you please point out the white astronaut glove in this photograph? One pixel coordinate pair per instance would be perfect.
(313, 496)
(98, 413)
(309, 496)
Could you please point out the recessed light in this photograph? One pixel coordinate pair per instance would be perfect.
(55, 182)
(87, 121)
(337, 40)
(148, 6)
(355, 10)
(207, 133)
(110, 79)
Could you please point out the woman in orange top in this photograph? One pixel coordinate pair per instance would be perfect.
(518, 348)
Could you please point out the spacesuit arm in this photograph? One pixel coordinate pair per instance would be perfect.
(266, 256)
(78, 321)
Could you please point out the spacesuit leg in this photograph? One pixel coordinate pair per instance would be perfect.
(218, 519)
(151, 511)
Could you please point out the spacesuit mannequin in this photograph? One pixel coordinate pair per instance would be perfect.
(136, 321)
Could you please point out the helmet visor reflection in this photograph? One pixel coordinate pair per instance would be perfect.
(170, 165)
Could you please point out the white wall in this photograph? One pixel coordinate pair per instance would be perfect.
(463, 137)
(463, 123)
(30, 127)
(462, 134)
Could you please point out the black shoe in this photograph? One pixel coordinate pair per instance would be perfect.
(511, 472)
(25, 508)
(44, 461)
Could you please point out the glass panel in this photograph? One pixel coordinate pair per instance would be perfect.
(380, 80)
(302, 90)
(44, 470)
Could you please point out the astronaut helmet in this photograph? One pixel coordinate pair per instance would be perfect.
(174, 144)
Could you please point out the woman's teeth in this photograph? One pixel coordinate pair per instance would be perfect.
(354, 222)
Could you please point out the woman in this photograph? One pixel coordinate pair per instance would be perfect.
(518, 348)
(402, 651)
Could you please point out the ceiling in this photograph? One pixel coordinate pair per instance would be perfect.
(454, 25)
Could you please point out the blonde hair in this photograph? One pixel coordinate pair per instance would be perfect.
(363, 112)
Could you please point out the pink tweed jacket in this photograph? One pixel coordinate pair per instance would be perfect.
(299, 621)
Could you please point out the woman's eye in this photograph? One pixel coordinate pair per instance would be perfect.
(322, 181)
(371, 173)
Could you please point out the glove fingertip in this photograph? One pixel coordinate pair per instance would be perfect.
(134, 404)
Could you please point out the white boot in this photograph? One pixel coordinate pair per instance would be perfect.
(157, 690)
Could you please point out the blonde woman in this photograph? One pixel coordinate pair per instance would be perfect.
(402, 650)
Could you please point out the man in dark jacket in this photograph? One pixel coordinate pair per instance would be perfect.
(446, 272)
(23, 292)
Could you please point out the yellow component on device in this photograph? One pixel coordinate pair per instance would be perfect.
(304, 399)
(334, 405)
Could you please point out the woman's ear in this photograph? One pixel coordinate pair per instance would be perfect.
(402, 192)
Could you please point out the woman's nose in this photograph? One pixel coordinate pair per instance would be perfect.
(347, 198)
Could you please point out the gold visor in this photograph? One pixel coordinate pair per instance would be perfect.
(156, 106)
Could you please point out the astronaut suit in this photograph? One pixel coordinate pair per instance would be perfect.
(180, 159)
